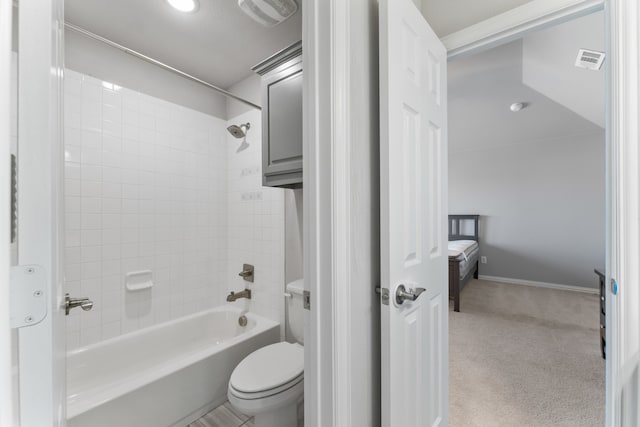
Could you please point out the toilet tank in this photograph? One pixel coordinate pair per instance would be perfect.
(295, 310)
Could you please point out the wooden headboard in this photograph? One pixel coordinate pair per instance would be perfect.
(454, 227)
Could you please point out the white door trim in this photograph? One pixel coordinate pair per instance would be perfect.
(340, 211)
(514, 23)
(327, 212)
(317, 211)
(40, 162)
(6, 398)
(623, 205)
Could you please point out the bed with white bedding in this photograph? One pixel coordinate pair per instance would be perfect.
(463, 254)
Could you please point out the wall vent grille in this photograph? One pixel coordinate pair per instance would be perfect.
(590, 59)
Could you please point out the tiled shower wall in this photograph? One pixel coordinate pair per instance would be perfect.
(256, 223)
(145, 189)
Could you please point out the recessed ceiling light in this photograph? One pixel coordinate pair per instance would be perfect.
(184, 5)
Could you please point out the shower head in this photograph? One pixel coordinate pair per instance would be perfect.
(239, 131)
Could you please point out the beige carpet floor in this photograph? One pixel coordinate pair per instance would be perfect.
(525, 356)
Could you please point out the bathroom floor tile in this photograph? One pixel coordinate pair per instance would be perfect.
(223, 416)
(230, 407)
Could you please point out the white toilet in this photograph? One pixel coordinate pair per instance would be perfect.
(269, 382)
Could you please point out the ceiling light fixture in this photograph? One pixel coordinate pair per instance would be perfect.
(184, 5)
(517, 106)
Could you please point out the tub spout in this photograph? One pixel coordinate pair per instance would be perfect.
(237, 295)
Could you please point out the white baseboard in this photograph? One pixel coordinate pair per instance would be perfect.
(540, 284)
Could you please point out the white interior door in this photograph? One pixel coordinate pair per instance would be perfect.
(413, 181)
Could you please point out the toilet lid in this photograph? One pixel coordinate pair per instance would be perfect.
(268, 368)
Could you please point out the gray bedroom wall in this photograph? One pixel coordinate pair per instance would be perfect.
(542, 207)
(96, 59)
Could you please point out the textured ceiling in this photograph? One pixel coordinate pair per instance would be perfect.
(219, 43)
(549, 65)
(449, 16)
(481, 89)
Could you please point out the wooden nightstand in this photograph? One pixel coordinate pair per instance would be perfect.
(603, 310)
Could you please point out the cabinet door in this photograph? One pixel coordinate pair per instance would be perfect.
(282, 128)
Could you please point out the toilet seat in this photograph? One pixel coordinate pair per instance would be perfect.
(266, 393)
(255, 404)
(268, 371)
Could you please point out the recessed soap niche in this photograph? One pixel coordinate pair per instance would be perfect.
(138, 280)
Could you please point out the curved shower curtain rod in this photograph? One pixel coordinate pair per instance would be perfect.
(159, 64)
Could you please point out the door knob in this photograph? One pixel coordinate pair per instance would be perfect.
(85, 303)
(403, 294)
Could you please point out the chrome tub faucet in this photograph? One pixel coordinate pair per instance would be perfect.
(237, 295)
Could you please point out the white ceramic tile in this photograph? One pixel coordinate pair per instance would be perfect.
(91, 140)
(110, 174)
(89, 335)
(72, 221)
(72, 153)
(149, 186)
(111, 221)
(111, 190)
(111, 143)
(91, 205)
(91, 156)
(72, 238)
(111, 252)
(91, 189)
(90, 221)
(72, 255)
(91, 253)
(110, 236)
(72, 171)
(73, 272)
(113, 128)
(111, 329)
(111, 159)
(111, 205)
(111, 98)
(91, 115)
(90, 270)
(72, 187)
(111, 267)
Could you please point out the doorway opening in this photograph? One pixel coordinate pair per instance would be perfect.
(527, 155)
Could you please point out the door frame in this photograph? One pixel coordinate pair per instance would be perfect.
(327, 363)
(41, 399)
(341, 212)
(623, 205)
(6, 389)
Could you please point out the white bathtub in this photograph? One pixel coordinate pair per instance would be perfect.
(166, 375)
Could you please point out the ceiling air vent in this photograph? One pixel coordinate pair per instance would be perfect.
(269, 12)
(589, 59)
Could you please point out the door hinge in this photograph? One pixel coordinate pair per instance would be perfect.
(384, 295)
(306, 299)
(14, 198)
(28, 298)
